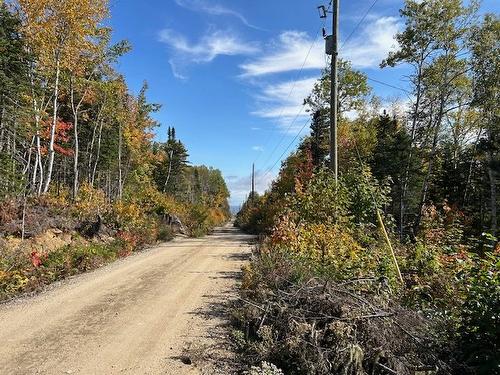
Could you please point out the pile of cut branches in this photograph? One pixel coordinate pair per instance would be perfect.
(350, 327)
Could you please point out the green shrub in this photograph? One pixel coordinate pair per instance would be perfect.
(197, 220)
(480, 316)
(165, 233)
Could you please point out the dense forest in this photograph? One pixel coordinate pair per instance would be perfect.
(395, 269)
(82, 178)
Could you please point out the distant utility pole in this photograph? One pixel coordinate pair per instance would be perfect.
(253, 182)
(332, 49)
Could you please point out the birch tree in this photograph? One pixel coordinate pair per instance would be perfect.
(433, 43)
(58, 33)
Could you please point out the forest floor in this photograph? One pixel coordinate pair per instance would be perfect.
(162, 311)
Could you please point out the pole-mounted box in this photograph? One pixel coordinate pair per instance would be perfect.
(329, 45)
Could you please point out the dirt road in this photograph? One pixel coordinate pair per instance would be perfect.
(135, 316)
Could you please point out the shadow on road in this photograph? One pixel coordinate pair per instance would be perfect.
(218, 356)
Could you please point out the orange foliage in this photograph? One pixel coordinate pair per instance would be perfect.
(61, 136)
(35, 259)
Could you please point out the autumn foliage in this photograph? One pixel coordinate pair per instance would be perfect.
(83, 177)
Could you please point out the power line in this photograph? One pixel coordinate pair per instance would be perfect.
(293, 88)
(303, 106)
(352, 33)
(388, 85)
(285, 133)
(269, 170)
(287, 148)
(300, 111)
(358, 24)
(280, 116)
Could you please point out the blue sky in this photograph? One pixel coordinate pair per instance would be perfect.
(224, 70)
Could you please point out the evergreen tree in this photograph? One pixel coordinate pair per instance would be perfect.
(13, 83)
(389, 162)
(170, 173)
(319, 139)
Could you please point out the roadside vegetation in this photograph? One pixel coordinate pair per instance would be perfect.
(323, 293)
(82, 179)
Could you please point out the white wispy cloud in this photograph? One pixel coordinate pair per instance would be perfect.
(282, 104)
(175, 71)
(258, 148)
(287, 53)
(214, 9)
(366, 49)
(213, 43)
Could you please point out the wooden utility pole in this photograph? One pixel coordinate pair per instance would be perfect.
(253, 182)
(334, 91)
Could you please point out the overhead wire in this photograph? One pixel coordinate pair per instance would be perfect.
(280, 116)
(302, 107)
(352, 33)
(287, 147)
(388, 85)
(367, 12)
(287, 131)
(270, 169)
(358, 24)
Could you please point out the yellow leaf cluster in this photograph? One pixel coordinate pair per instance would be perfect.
(60, 32)
(90, 202)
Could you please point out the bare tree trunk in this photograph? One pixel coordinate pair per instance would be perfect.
(2, 116)
(471, 166)
(430, 169)
(404, 185)
(37, 169)
(38, 163)
(26, 170)
(493, 199)
(171, 154)
(444, 92)
(76, 109)
(53, 130)
(76, 150)
(89, 152)
(98, 153)
(98, 124)
(120, 162)
(37, 109)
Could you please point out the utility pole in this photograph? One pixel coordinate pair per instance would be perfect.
(332, 43)
(253, 182)
(334, 166)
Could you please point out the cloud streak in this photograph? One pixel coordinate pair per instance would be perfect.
(215, 10)
(280, 103)
(214, 43)
(287, 53)
(211, 45)
(372, 44)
